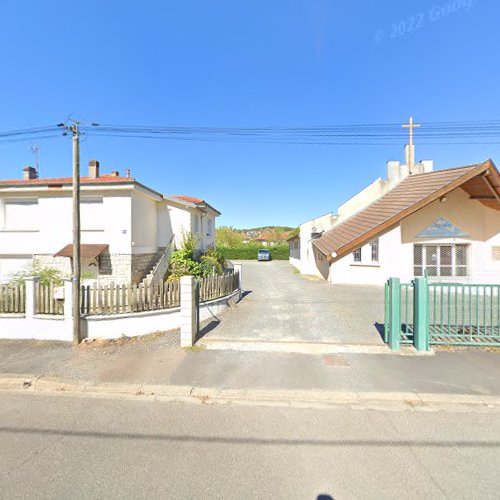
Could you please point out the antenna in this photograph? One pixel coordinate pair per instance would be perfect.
(35, 150)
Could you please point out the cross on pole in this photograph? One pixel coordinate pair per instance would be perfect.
(410, 125)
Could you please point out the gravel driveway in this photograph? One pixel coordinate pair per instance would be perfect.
(282, 305)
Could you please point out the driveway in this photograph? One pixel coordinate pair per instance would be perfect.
(282, 305)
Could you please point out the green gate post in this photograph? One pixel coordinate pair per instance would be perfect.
(387, 319)
(394, 314)
(421, 315)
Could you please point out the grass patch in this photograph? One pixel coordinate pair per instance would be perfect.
(194, 348)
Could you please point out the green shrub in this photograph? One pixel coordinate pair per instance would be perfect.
(187, 261)
(46, 275)
(250, 250)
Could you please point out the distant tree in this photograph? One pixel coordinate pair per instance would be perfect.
(229, 236)
(276, 235)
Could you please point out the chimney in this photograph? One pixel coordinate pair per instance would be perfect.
(93, 169)
(128, 173)
(115, 173)
(393, 171)
(29, 173)
(427, 165)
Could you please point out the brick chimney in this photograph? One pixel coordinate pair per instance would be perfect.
(29, 173)
(93, 169)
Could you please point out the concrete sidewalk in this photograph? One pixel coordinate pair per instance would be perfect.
(158, 361)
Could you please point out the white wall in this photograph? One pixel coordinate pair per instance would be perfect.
(52, 223)
(481, 223)
(361, 200)
(308, 255)
(395, 260)
(396, 245)
(180, 220)
(144, 223)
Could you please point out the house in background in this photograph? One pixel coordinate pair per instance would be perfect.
(444, 224)
(127, 228)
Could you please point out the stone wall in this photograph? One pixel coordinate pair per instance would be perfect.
(62, 264)
(116, 268)
(142, 264)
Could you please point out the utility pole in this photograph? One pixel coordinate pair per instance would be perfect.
(74, 129)
(76, 234)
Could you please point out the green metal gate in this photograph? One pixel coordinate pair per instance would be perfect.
(424, 314)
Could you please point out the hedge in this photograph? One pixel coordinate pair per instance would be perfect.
(249, 251)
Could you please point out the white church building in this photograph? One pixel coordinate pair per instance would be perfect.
(444, 224)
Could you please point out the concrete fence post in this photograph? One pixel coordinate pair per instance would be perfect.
(238, 269)
(395, 314)
(421, 315)
(188, 311)
(68, 309)
(68, 299)
(30, 304)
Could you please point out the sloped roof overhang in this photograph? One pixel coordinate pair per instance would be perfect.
(481, 182)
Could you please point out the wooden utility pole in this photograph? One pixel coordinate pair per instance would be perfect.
(76, 234)
(411, 154)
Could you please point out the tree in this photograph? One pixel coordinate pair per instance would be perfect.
(229, 236)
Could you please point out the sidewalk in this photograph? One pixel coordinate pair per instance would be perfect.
(158, 361)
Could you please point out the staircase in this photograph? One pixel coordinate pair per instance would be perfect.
(157, 274)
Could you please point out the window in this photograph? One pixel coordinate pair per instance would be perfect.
(374, 249)
(91, 214)
(196, 224)
(440, 260)
(209, 227)
(357, 255)
(21, 214)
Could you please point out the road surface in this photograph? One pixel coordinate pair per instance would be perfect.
(78, 447)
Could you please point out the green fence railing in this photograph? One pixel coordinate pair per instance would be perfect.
(424, 314)
(463, 314)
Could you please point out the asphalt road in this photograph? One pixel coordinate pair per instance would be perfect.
(282, 305)
(74, 447)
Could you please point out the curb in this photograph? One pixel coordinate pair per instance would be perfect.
(298, 347)
(255, 397)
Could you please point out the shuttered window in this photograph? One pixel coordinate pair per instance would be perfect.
(449, 260)
(21, 214)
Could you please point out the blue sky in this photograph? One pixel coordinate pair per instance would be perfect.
(246, 63)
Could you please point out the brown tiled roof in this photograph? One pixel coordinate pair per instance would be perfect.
(406, 198)
(189, 199)
(86, 250)
(103, 179)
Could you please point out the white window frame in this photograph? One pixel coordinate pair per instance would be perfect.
(209, 227)
(357, 255)
(437, 265)
(196, 223)
(98, 224)
(375, 245)
(20, 201)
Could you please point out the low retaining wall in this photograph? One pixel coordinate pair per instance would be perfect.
(137, 324)
(35, 328)
(59, 327)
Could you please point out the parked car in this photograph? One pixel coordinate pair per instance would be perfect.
(263, 254)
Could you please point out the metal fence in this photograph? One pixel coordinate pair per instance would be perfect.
(463, 314)
(441, 313)
(120, 299)
(12, 299)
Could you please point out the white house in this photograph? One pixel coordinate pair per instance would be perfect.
(127, 227)
(444, 224)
